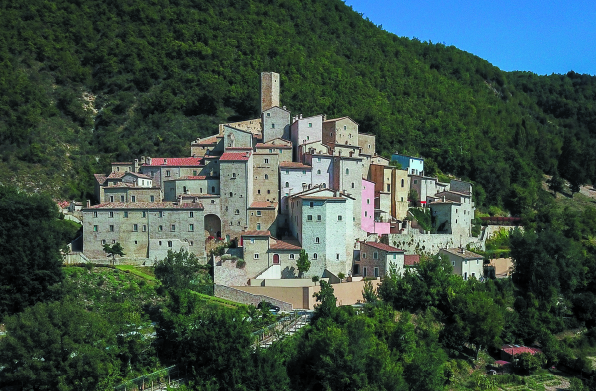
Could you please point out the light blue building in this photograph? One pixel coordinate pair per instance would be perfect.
(414, 165)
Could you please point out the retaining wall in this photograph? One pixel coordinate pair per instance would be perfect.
(233, 294)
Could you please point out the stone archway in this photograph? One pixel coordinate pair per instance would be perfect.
(213, 225)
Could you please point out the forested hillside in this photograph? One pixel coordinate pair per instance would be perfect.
(89, 81)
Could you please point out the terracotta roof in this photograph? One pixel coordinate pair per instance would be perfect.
(146, 205)
(116, 175)
(256, 233)
(239, 148)
(235, 156)
(188, 177)
(285, 245)
(175, 161)
(100, 178)
(384, 247)
(294, 165)
(465, 254)
(514, 350)
(269, 145)
(263, 205)
(137, 175)
(410, 260)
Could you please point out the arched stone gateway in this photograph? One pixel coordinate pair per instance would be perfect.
(213, 225)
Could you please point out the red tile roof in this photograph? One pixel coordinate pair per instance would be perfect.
(514, 350)
(175, 161)
(138, 175)
(411, 260)
(263, 205)
(100, 178)
(146, 205)
(235, 156)
(384, 247)
(466, 254)
(256, 233)
(285, 245)
(116, 175)
(294, 165)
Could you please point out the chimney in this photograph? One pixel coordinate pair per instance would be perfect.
(88, 203)
(300, 116)
(148, 160)
(136, 165)
(324, 117)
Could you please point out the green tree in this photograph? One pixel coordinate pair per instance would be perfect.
(113, 250)
(555, 184)
(369, 294)
(182, 270)
(327, 303)
(58, 346)
(303, 263)
(31, 239)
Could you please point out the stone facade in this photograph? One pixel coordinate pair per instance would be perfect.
(270, 86)
(293, 178)
(377, 260)
(195, 185)
(145, 230)
(340, 131)
(276, 124)
(263, 217)
(465, 263)
(367, 142)
(266, 176)
(125, 193)
(236, 192)
(305, 131)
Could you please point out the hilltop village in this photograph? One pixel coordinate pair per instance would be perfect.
(274, 186)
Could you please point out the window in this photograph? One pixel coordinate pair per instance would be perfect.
(266, 176)
(452, 263)
(402, 183)
(126, 214)
(365, 214)
(310, 124)
(291, 256)
(376, 272)
(347, 171)
(337, 257)
(144, 228)
(103, 241)
(111, 198)
(364, 272)
(303, 172)
(315, 256)
(311, 204)
(287, 184)
(345, 127)
(121, 198)
(375, 255)
(233, 175)
(231, 194)
(191, 227)
(258, 226)
(353, 185)
(339, 218)
(135, 227)
(317, 240)
(144, 214)
(415, 181)
(167, 172)
(256, 256)
(266, 161)
(152, 198)
(476, 262)
(394, 256)
(259, 191)
(213, 189)
(237, 212)
(95, 228)
(272, 126)
(318, 217)
(111, 228)
(160, 228)
(95, 214)
(111, 214)
(330, 134)
(319, 172)
(160, 242)
(363, 255)
(268, 191)
(258, 212)
(173, 228)
(268, 114)
(160, 214)
(309, 217)
(169, 243)
(133, 199)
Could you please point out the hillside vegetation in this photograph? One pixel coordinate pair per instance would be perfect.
(86, 82)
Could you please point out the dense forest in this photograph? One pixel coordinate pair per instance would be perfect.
(87, 82)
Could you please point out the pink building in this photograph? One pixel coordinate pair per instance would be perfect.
(368, 223)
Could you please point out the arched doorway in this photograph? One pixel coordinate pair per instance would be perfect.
(276, 259)
(213, 225)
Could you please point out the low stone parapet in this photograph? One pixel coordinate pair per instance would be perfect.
(232, 294)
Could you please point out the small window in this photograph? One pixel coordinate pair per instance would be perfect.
(315, 256)
(310, 124)
(258, 226)
(152, 198)
(256, 256)
(169, 243)
(375, 255)
(287, 184)
(160, 242)
(353, 185)
(103, 241)
(121, 198)
(318, 217)
(252, 241)
(345, 127)
(144, 214)
(363, 255)
(337, 257)
(173, 228)
(309, 217)
(452, 263)
(160, 228)
(191, 227)
(167, 172)
(365, 214)
(237, 212)
(233, 175)
(272, 126)
(266, 161)
(376, 272)
(126, 214)
(135, 227)
(319, 172)
(339, 218)
(111, 214)
(347, 171)
(111, 198)
(133, 199)
(402, 183)
(111, 228)
(268, 191)
(160, 213)
(259, 191)
(258, 212)
(266, 176)
(95, 214)
(144, 228)
(291, 256)
(95, 228)
(268, 114)
(317, 240)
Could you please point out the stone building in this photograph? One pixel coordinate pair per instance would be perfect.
(146, 230)
(465, 263)
(263, 217)
(128, 192)
(212, 145)
(340, 131)
(276, 124)
(280, 146)
(305, 131)
(236, 187)
(378, 259)
(270, 86)
(367, 142)
(161, 169)
(266, 175)
(190, 185)
(294, 178)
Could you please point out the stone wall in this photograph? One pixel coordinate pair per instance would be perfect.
(229, 293)
(430, 244)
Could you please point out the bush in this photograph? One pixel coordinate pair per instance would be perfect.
(240, 263)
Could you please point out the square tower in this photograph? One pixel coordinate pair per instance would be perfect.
(269, 90)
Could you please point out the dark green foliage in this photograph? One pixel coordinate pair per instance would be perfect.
(162, 74)
(113, 250)
(182, 270)
(303, 263)
(31, 237)
(423, 218)
(58, 346)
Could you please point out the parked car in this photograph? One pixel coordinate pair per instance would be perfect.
(268, 306)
